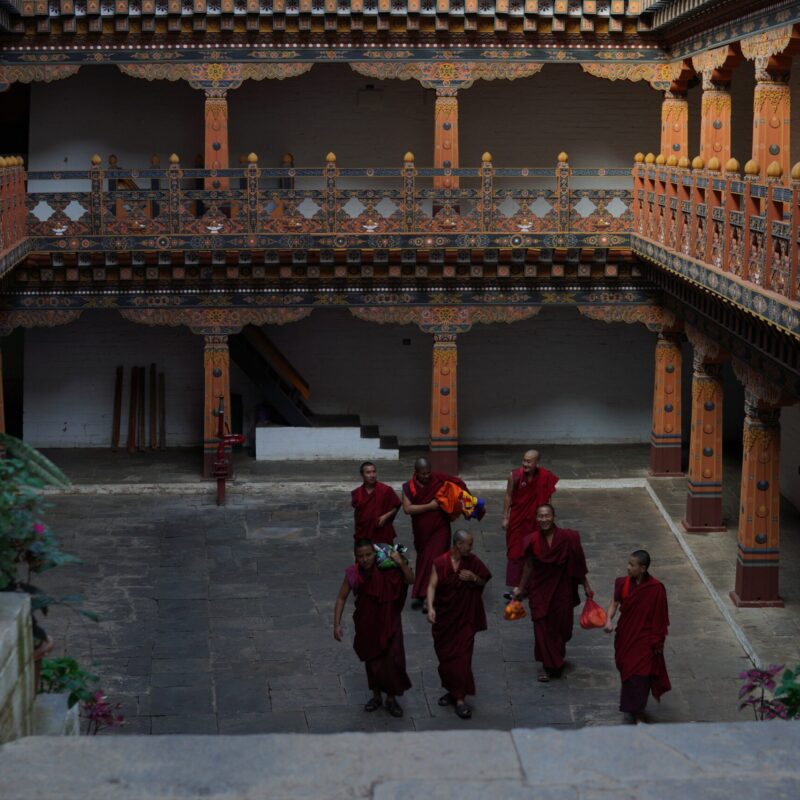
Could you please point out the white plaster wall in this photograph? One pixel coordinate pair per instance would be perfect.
(69, 380)
(790, 454)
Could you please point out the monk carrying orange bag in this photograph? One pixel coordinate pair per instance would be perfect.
(593, 615)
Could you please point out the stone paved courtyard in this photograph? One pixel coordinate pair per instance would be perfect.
(219, 620)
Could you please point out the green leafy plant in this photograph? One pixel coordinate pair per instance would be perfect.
(66, 676)
(759, 684)
(787, 692)
(27, 545)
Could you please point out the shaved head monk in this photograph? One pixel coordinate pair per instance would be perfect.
(554, 568)
(641, 631)
(380, 596)
(375, 506)
(455, 609)
(529, 487)
(430, 525)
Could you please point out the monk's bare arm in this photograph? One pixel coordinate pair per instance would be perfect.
(610, 613)
(432, 583)
(408, 573)
(341, 599)
(507, 501)
(388, 517)
(412, 509)
(520, 590)
(470, 577)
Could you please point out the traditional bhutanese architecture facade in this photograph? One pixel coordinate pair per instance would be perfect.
(690, 241)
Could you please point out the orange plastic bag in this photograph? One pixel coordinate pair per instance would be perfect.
(514, 610)
(593, 615)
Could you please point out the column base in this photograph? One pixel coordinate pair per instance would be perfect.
(665, 462)
(703, 515)
(444, 461)
(739, 603)
(756, 587)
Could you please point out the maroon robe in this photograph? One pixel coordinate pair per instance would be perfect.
(558, 570)
(527, 494)
(431, 529)
(370, 506)
(380, 596)
(642, 628)
(459, 616)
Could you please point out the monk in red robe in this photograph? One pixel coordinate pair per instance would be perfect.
(529, 487)
(641, 631)
(380, 596)
(554, 568)
(455, 609)
(376, 505)
(431, 525)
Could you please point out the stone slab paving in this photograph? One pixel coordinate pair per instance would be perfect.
(219, 620)
(717, 761)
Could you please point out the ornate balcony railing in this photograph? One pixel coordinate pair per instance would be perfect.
(13, 241)
(328, 207)
(738, 236)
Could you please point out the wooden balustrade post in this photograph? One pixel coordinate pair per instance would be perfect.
(216, 369)
(684, 208)
(674, 125)
(697, 198)
(445, 137)
(704, 478)
(732, 241)
(409, 193)
(751, 207)
(444, 407)
(665, 434)
(777, 266)
(487, 193)
(671, 205)
(714, 215)
(638, 193)
(771, 112)
(96, 204)
(216, 138)
(715, 117)
(330, 193)
(252, 175)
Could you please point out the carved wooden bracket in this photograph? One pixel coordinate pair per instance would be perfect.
(655, 318)
(450, 75)
(30, 73)
(444, 319)
(214, 321)
(35, 318)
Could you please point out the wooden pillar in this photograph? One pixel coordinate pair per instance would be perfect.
(216, 138)
(216, 367)
(771, 113)
(759, 509)
(674, 125)
(704, 480)
(444, 406)
(445, 137)
(665, 436)
(715, 120)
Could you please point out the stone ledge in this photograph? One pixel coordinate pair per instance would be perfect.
(710, 760)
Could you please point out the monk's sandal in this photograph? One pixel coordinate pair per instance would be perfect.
(393, 707)
(373, 704)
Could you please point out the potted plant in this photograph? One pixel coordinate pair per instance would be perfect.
(27, 545)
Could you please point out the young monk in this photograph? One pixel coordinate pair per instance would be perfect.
(554, 568)
(641, 631)
(455, 609)
(380, 596)
(375, 506)
(430, 525)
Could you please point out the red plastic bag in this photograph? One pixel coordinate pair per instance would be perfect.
(593, 615)
(514, 610)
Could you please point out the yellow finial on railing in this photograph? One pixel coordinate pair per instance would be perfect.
(563, 157)
(661, 160)
(638, 158)
(96, 160)
(698, 163)
(796, 172)
(155, 160)
(672, 161)
(408, 157)
(732, 165)
(252, 158)
(649, 159)
(174, 159)
(287, 160)
(713, 164)
(684, 163)
(486, 158)
(775, 170)
(2, 162)
(752, 168)
(331, 158)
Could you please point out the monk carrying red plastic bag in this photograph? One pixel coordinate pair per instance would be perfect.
(593, 615)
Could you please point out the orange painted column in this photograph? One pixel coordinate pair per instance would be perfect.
(445, 137)
(715, 122)
(771, 116)
(444, 406)
(216, 369)
(757, 557)
(216, 138)
(674, 126)
(704, 480)
(665, 435)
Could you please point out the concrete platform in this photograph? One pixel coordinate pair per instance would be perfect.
(716, 762)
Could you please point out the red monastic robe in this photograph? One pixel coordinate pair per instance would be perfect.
(527, 494)
(370, 506)
(459, 616)
(642, 627)
(380, 596)
(558, 570)
(431, 530)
